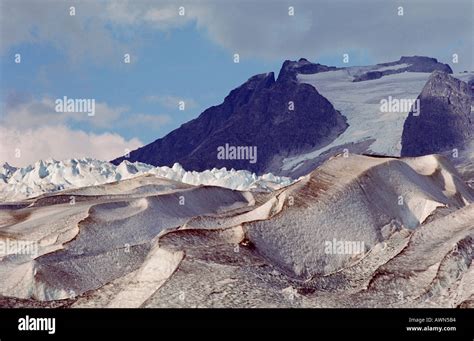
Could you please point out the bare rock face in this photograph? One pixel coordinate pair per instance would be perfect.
(274, 117)
(291, 68)
(405, 64)
(471, 87)
(444, 121)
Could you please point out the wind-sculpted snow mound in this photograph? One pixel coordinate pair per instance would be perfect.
(344, 208)
(113, 238)
(52, 176)
(358, 231)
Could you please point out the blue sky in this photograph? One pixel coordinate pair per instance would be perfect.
(176, 58)
(183, 64)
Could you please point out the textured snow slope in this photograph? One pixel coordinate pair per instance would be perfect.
(354, 199)
(154, 242)
(51, 176)
(98, 239)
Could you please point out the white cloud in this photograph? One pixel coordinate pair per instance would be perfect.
(32, 113)
(121, 12)
(23, 147)
(163, 15)
(35, 130)
(261, 29)
(93, 33)
(83, 36)
(264, 29)
(172, 102)
(42, 112)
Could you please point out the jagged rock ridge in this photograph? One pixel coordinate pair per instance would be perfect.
(279, 118)
(405, 64)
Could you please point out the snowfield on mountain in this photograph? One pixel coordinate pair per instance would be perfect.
(370, 129)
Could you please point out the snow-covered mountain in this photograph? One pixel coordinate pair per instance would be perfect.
(46, 176)
(336, 110)
(272, 117)
(308, 114)
(371, 130)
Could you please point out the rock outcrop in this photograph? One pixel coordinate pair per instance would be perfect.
(405, 64)
(444, 121)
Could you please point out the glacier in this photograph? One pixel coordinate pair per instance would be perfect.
(47, 176)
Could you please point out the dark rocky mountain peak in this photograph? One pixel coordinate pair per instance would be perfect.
(258, 124)
(291, 68)
(444, 121)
